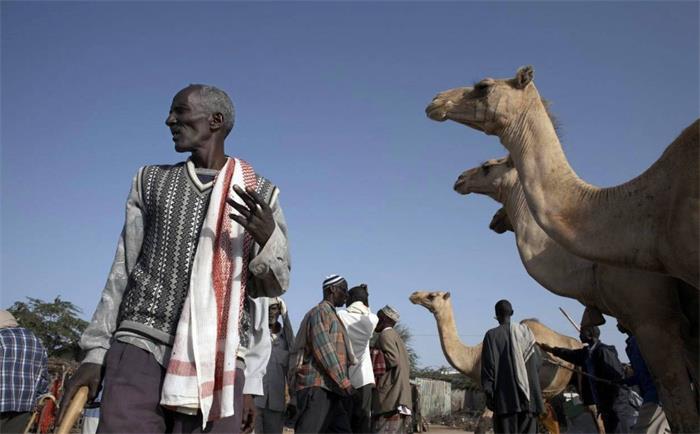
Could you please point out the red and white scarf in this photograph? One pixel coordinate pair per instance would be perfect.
(202, 368)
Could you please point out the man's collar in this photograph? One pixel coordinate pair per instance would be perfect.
(358, 307)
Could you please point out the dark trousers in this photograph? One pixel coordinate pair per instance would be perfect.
(131, 398)
(361, 421)
(321, 411)
(14, 421)
(610, 420)
(268, 421)
(513, 423)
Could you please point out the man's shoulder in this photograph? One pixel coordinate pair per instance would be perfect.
(26, 335)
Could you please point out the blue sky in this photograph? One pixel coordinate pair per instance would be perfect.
(329, 100)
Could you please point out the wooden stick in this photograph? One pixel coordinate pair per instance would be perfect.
(573, 323)
(73, 412)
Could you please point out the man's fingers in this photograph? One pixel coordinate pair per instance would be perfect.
(240, 220)
(68, 393)
(245, 212)
(245, 196)
(257, 198)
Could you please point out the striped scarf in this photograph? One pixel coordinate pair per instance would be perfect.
(202, 368)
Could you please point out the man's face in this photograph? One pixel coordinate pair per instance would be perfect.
(586, 336)
(340, 294)
(274, 314)
(188, 122)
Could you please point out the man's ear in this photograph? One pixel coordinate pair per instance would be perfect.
(524, 76)
(216, 121)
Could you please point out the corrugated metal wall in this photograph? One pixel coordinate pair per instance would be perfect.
(435, 397)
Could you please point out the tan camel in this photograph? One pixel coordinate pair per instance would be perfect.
(467, 359)
(651, 222)
(646, 303)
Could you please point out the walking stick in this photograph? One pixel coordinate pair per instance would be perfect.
(73, 412)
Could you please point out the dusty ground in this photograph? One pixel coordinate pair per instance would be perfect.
(433, 429)
(445, 429)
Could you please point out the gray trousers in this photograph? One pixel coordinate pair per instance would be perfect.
(268, 421)
(131, 398)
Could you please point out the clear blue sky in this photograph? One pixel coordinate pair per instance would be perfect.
(330, 100)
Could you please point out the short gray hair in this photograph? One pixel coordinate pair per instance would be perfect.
(215, 100)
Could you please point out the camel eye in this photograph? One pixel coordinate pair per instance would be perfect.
(431, 296)
(486, 169)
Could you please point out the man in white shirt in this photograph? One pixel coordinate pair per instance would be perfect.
(360, 323)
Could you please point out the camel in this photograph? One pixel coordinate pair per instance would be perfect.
(467, 359)
(650, 223)
(648, 304)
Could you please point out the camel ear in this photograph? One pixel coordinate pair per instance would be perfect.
(524, 76)
(446, 295)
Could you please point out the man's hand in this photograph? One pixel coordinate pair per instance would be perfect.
(255, 217)
(88, 374)
(248, 420)
(545, 347)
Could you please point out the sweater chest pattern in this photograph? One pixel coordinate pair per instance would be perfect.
(174, 211)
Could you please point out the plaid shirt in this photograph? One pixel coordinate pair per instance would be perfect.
(325, 362)
(378, 362)
(23, 369)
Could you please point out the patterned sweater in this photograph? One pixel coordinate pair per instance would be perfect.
(149, 279)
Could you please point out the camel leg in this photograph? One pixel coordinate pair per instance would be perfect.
(670, 373)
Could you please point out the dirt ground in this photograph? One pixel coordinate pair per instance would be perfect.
(433, 429)
(446, 429)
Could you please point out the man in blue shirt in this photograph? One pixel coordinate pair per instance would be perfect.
(651, 416)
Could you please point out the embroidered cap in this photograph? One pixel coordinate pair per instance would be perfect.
(390, 313)
(332, 280)
(278, 301)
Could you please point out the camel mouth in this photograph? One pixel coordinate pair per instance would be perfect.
(460, 187)
(436, 112)
(414, 298)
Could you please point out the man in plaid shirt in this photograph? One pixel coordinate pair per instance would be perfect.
(23, 373)
(324, 352)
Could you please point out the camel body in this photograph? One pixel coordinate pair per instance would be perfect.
(648, 304)
(650, 223)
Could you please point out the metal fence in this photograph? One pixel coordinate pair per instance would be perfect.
(435, 397)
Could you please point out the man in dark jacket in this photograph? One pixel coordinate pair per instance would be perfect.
(509, 374)
(600, 362)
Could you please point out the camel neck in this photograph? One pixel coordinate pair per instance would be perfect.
(462, 357)
(546, 261)
(571, 211)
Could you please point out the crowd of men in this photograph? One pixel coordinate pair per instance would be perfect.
(187, 337)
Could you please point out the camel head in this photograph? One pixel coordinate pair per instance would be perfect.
(492, 178)
(434, 301)
(489, 106)
(500, 222)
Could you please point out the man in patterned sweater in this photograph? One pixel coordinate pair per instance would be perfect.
(130, 340)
